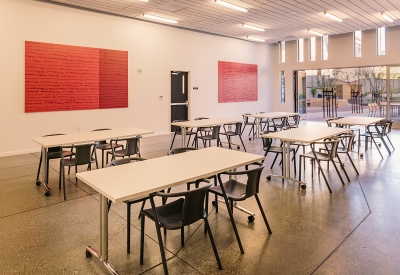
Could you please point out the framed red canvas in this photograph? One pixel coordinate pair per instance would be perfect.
(63, 77)
(237, 82)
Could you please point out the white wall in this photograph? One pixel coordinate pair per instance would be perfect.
(340, 56)
(154, 48)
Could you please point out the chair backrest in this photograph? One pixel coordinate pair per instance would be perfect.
(386, 126)
(180, 150)
(253, 181)
(102, 129)
(296, 120)
(132, 145)
(347, 140)
(245, 117)
(56, 149)
(124, 161)
(330, 145)
(238, 128)
(83, 153)
(191, 204)
(215, 131)
(267, 142)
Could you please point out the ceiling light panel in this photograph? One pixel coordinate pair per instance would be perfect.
(253, 27)
(230, 5)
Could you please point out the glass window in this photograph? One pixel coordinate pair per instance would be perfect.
(282, 87)
(324, 46)
(357, 44)
(282, 51)
(381, 40)
(311, 47)
(300, 50)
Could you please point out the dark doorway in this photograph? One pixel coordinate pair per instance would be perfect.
(179, 96)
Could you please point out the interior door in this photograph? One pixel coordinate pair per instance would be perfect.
(179, 96)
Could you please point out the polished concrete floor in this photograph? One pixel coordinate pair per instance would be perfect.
(354, 230)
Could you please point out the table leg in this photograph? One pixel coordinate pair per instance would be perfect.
(258, 127)
(286, 166)
(103, 255)
(183, 132)
(43, 172)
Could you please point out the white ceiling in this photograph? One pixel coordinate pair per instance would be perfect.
(281, 19)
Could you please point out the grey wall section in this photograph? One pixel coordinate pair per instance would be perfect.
(155, 49)
(340, 56)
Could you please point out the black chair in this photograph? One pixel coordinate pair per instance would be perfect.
(269, 148)
(233, 191)
(378, 132)
(266, 123)
(129, 202)
(188, 209)
(294, 121)
(250, 123)
(132, 147)
(205, 130)
(347, 141)
(213, 135)
(83, 156)
(237, 131)
(281, 123)
(328, 154)
(104, 146)
(178, 131)
(52, 153)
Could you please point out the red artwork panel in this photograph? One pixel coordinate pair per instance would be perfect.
(61, 77)
(237, 82)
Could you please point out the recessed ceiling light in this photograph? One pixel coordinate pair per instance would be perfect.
(387, 17)
(253, 28)
(159, 18)
(229, 5)
(144, 0)
(333, 17)
(256, 39)
(316, 33)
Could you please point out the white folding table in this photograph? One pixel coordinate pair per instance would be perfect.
(80, 138)
(135, 180)
(305, 134)
(259, 117)
(202, 123)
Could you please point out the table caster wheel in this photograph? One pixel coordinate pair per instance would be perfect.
(249, 138)
(88, 254)
(250, 218)
(213, 203)
(38, 183)
(269, 178)
(361, 155)
(303, 186)
(47, 193)
(238, 147)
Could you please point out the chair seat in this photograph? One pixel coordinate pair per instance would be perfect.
(107, 146)
(320, 156)
(229, 133)
(277, 149)
(57, 155)
(169, 215)
(235, 190)
(71, 162)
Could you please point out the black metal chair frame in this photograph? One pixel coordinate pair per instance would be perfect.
(83, 155)
(250, 123)
(214, 135)
(176, 215)
(178, 131)
(237, 132)
(233, 191)
(379, 130)
(104, 146)
(132, 147)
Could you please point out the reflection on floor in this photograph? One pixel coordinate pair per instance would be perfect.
(354, 230)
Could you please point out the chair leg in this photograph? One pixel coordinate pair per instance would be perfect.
(40, 165)
(65, 195)
(338, 172)
(160, 243)
(59, 175)
(344, 170)
(273, 163)
(352, 163)
(323, 174)
(241, 140)
(128, 228)
(213, 243)
(141, 209)
(172, 143)
(142, 238)
(263, 213)
(377, 147)
(182, 236)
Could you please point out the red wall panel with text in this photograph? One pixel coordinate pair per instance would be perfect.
(61, 77)
(237, 82)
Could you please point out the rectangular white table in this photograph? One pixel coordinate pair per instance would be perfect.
(80, 138)
(259, 117)
(305, 134)
(202, 123)
(135, 180)
(361, 121)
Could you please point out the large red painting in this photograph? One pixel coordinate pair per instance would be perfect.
(237, 82)
(61, 77)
